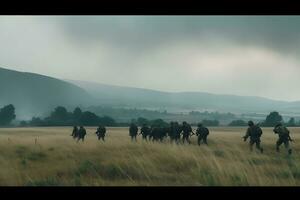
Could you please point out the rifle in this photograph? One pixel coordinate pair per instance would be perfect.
(290, 139)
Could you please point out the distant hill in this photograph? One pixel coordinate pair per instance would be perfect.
(184, 101)
(34, 94)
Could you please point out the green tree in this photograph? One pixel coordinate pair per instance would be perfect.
(89, 119)
(159, 122)
(272, 119)
(141, 121)
(7, 114)
(207, 122)
(77, 114)
(59, 114)
(291, 122)
(238, 123)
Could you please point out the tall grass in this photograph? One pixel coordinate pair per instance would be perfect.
(50, 156)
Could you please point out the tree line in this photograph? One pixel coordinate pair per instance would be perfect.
(60, 116)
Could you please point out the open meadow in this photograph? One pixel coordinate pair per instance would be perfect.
(50, 156)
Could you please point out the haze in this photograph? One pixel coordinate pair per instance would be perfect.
(241, 55)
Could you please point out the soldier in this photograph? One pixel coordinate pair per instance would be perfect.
(172, 132)
(81, 133)
(177, 131)
(254, 132)
(155, 133)
(186, 132)
(133, 131)
(145, 131)
(284, 137)
(101, 133)
(75, 132)
(202, 133)
(163, 132)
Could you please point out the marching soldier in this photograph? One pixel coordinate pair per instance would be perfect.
(284, 137)
(254, 132)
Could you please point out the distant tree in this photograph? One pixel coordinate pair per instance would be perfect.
(207, 122)
(77, 115)
(272, 119)
(23, 123)
(7, 114)
(238, 123)
(141, 121)
(36, 121)
(89, 119)
(107, 121)
(291, 122)
(59, 114)
(158, 122)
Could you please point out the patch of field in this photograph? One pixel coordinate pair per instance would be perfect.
(50, 156)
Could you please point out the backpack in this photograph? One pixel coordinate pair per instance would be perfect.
(206, 131)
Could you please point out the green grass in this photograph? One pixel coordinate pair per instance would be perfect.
(59, 160)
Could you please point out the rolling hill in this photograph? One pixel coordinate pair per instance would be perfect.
(34, 94)
(183, 101)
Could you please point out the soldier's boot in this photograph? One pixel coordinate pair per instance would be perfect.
(290, 151)
(261, 150)
(277, 149)
(205, 141)
(199, 142)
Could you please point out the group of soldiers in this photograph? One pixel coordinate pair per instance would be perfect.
(183, 132)
(174, 131)
(255, 133)
(80, 133)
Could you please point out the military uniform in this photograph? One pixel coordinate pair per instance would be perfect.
(133, 131)
(81, 133)
(172, 132)
(284, 137)
(145, 131)
(186, 131)
(75, 132)
(177, 131)
(101, 132)
(254, 132)
(202, 133)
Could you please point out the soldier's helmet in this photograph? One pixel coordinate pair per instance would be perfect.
(250, 123)
(199, 124)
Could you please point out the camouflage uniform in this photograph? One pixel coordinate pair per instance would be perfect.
(202, 133)
(155, 133)
(101, 132)
(81, 133)
(186, 131)
(133, 131)
(254, 132)
(145, 131)
(177, 131)
(163, 132)
(284, 137)
(172, 132)
(75, 132)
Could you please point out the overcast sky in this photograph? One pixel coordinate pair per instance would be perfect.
(242, 55)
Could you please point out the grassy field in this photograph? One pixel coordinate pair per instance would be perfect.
(50, 156)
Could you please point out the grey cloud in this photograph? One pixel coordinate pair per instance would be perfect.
(142, 32)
